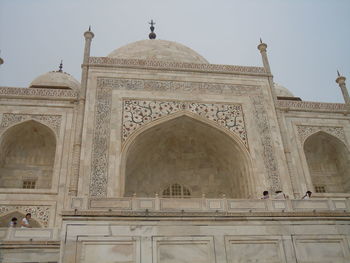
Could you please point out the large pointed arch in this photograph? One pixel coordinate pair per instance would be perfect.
(328, 161)
(27, 153)
(221, 148)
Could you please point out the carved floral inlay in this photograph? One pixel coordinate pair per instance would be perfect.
(52, 121)
(137, 113)
(304, 131)
(100, 155)
(39, 213)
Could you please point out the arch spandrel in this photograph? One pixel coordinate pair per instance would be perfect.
(53, 122)
(337, 139)
(171, 124)
(138, 113)
(306, 131)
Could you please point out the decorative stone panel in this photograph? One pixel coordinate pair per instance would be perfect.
(101, 142)
(39, 213)
(52, 121)
(99, 172)
(62, 94)
(137, 113)
(183, 66)
(310, 106)
(305, 131)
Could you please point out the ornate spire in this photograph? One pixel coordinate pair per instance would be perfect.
(341, 82)
(60, 67)
(1, 60)
(152, 35)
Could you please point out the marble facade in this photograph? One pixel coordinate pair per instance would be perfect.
(159, 156)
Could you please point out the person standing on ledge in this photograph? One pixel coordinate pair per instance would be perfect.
(280, 195)
(265, 195)
(307, 196)
(13, 222)
(25, 223)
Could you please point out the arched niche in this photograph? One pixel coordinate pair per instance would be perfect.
(328, 160)
(190, 152)
(6, 219)
(27, 153)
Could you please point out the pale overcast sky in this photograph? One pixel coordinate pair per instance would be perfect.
(308, 40)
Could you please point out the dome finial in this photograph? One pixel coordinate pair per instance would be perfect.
(152, 35)
(61, 66)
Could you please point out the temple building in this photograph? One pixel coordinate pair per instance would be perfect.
(158, 156)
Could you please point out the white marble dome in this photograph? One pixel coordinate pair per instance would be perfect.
(156, 49)
(55, 80)
(282, 91)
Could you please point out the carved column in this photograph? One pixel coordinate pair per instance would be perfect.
(79, 121)
(341, 82)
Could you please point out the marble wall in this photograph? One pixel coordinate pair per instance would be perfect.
(169, 240)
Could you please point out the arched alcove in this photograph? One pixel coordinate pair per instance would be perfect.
(189, 152)
(27, 153)
(329, 163)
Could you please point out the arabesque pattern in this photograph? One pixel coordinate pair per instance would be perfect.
(52, 121)
(137, 113)
(304, 131)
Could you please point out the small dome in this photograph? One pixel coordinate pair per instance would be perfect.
(55, 80)
(156, 49)
(282, 91)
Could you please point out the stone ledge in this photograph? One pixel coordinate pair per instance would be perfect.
(29, 244)
(170, 65)
(37, 93)
(288, 105)
(123, 215)
(204, 205)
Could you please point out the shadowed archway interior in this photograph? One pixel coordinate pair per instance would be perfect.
(329, 164)
(188, 152)
(27, 156)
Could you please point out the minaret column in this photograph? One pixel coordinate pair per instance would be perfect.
(79, 116)
(283, 131)
(262, 48)
(341, 82)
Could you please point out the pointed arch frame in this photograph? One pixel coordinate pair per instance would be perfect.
(309, 181)
(4, 134)
(234, 137)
